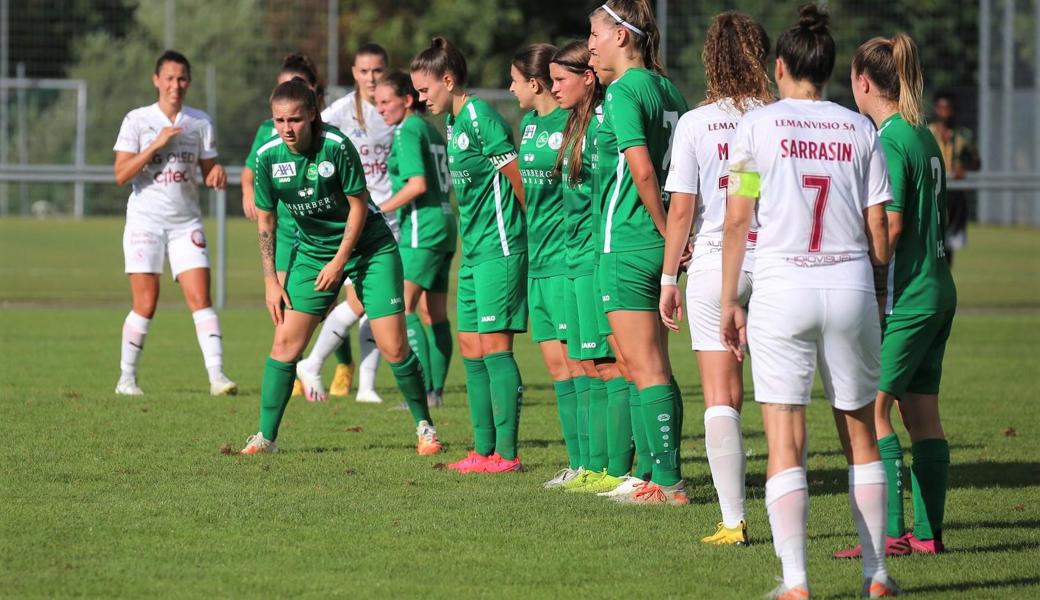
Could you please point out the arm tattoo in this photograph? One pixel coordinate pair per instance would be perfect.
(266, 240)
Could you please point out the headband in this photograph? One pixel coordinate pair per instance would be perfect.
(617, 18)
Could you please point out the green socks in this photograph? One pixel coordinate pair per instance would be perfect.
(440, 354)
(661, 420)
(481, 415)
(567, 406)
(581, 390)
(416, 333)
(274, 395)
(680, 411)
(409, 376)
(929, 473)
(597, 424)
(506, 392)
(344, 355)
(619, 428)
(892, 458)
(644, 464)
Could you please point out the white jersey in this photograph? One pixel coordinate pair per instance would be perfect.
(372, 141)
(821, 166)
(165, 192)
(699, 154)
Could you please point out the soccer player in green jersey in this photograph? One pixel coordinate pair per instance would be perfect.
(418, 167)
(315, 171)
(640, 111)
(599, 426)
(492, 296)
(921, 297)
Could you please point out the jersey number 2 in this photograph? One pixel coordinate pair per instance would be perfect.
(822, 185)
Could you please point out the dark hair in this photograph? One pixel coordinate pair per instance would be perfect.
(894, 67)
(401, 83)
(301, 65)
(174, 57)
(734, 56)
(533, 63)
(638, 14)
(575, 58)
(297, 90)
(807, 48)
(945, 95)
(440, 58)
(371, 49)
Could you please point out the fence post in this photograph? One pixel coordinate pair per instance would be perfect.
(78, 200)
(221, 201)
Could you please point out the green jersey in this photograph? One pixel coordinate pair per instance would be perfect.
(641, 108)
(543, 195)
(581, 203)
(919, 279)
(419, 150)
(314, 187)
(265, 133)
(479, 143)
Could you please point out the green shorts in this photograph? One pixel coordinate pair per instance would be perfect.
(284, 239)
(602, 323)
(584, 338)
(377, 279)
(492, 295)
(912, 349)
(429, 269)
(631, 280)
(545, 298)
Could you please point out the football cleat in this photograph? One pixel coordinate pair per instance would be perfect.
(297, 388)
(880, 589)
(369, 397)
(652, 493)
(562, 476)
(604, 484)
(782, 592)
(434, 399)
(899, 546)
(497, 464)
(310, 380)
(428, 442)
(919, 546)
(472, 463)
(628, 483)
(258, 444)
(579, 479)
(127, 386)
(728, 536)
(342, 380)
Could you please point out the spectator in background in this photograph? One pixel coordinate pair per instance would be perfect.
(960, 155)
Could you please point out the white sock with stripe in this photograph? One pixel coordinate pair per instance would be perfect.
(369, 357)
(787, 500)
(725, 447)
(135, 329)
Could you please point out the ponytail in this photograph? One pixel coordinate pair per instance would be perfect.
(441, 58)
(807, 48)
(894, 67)
(401, 84)
(637, 17)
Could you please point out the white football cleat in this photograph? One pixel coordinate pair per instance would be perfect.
(313, 388)
(562, 476)
(369, 397)
(127, 386)
(627, 486)
(222, 386)
(258, 444)
(434, 399)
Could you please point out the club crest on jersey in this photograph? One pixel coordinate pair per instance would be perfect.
(284, 170)
(198, 238)
(556, 140)
(326, 169)
(529, 132)
(543, 139)
(528, 157)
(462, 141)
(312, 172)
(306, 192)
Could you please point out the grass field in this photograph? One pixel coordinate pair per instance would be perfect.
(110, 496)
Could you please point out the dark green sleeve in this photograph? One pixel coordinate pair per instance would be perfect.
(258, 141)
(263, 196)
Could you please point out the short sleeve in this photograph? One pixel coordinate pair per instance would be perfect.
(684, 172)
(742, 150)
(209, 140)
(262, 194)
(258, 140)
(623, 107)
(898, 166)
(496, 141)
(878, 188)
(408, 148)
(128, 140)
(348, 164)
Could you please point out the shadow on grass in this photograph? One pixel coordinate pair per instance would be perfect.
(977, 585)
(1024, 524)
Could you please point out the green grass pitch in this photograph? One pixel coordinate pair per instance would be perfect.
(117, 497)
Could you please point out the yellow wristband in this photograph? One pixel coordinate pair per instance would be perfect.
(744, 183)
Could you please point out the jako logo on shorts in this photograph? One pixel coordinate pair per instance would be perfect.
(487, 319)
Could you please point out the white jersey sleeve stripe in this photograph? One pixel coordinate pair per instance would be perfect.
(332, 136)
(267, 146)
(621, 166)
(497, 183)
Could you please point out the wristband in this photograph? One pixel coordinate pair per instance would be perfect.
(669, 279)
(880, 280)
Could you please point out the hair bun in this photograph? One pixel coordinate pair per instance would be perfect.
(813, 18)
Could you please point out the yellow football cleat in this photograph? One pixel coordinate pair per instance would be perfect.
(727, 536)
(297, 388)
(342, 380)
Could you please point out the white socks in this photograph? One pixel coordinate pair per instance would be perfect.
(334, 332)
(787, 500)
(867, 497)
(369, 358)
(135, 328)
(207, 330)
(725, 446)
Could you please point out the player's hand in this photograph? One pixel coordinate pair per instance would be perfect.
(687, 256)
(733, 329)
(217, 179)
(166, 134)
(670, 306)
(276, 299)
(249, 208)
(330, 277)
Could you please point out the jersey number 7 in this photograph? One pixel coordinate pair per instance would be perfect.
(822, 185)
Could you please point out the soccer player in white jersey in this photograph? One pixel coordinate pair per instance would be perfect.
(816, 175)
(158, 149)
(355, 115)
(735, 51)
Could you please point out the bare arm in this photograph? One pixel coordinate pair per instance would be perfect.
(128, 164)
(248, 196)
(739, 210)
(644, 175)
(676, 241)
(274, 294)
(213, 174)
(895, 228)
(876, 218)
(414, 188)
(512, 172)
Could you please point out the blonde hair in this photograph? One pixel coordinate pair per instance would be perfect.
(638, 14)
(893, 65)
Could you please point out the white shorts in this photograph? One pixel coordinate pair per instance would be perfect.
(145, 246)
(790, 331)
(704, 307)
